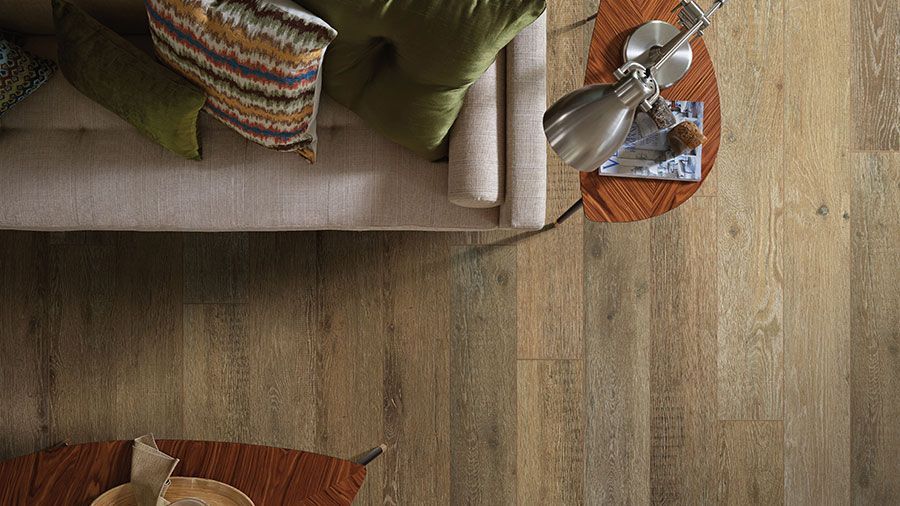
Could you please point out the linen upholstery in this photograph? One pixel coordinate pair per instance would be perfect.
(478, 141)
(258, 62)
(526, 153)
(90, 172)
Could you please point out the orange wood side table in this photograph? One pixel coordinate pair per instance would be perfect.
(76, 475)
(617, 199)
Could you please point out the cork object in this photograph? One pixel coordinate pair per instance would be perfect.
(662, 114)
(685, 137)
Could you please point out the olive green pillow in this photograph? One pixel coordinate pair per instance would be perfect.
(404, 65)
(129, 82)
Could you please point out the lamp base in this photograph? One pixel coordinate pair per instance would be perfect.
(645, 42)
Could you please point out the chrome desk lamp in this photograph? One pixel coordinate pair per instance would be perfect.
(587, 126)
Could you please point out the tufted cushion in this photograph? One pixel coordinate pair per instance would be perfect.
(404, 65)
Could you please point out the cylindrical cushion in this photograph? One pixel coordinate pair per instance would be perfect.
(476, 175)
(525, 205)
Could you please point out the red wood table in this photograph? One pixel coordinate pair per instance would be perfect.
(626, 199)
(76, 475)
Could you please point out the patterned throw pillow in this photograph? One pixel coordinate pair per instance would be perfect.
(257, 60)
(20, 74)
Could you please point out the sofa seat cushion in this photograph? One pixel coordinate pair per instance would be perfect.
(62, 179)
(405, 65)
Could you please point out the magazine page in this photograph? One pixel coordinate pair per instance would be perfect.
(646, 152)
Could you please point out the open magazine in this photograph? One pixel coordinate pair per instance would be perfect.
(646, 152)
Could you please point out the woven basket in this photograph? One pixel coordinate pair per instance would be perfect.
(213, 493)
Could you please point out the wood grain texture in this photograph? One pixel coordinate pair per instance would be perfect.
(281, 340)
(148, 351)
(24, 343)
(110, 337)
(550, 432)
(348, 340)
(569, 27)
(416, 403)
(750, 213)
(483, 375)
(713, 38)
(875, 329)
(752, 462)
(78, 474)
(875, 104)
(353, 324)
(617, 331)
(684, 433)
(216, 267)
(549, 311)
(611, 199)
(816, 253)
(83, 344)
(217, 372)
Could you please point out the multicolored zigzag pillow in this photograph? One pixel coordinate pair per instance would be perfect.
(257, 60)
(20, 74)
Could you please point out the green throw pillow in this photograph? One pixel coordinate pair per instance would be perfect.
(404, 65)
(112, 72)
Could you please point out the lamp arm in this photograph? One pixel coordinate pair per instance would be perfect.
(694, 21)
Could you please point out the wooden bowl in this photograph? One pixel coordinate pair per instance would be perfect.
(214, 493)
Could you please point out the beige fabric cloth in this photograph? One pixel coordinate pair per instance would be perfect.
(526, 147)
(478, 142)
(150, 472)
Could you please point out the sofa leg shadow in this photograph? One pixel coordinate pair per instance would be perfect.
(565, 215)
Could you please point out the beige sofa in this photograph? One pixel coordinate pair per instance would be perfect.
(67, 163)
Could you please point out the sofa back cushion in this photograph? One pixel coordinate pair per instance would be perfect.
(35, 17)
(405, 65)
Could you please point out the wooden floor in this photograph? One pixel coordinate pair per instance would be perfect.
(744, 348)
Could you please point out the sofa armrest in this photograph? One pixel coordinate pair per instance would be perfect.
(477, 156)
(525, 205)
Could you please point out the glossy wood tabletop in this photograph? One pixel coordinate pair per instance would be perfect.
(76, 475)
(627, 199)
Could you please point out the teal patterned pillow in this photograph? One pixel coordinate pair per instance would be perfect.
(20, 74)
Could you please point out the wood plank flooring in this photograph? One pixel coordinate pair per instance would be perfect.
(742, 349)
(817, 205)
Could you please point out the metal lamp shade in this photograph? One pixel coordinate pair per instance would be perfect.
(583, 126)
(587, 126)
